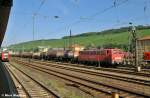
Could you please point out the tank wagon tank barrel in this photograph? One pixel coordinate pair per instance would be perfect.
(5, 7)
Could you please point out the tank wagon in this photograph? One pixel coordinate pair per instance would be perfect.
(72, 54)
(26, 55)
(55, 54)
(36, 55)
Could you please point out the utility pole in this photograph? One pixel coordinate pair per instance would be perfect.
(64, 44)
(134, 47)
(70, 39)
(33, 28)
(99, 62)
(134, 36)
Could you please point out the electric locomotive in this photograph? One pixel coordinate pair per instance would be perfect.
(5, 56)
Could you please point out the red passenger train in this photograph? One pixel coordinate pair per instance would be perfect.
(5, 56)
(104, 56)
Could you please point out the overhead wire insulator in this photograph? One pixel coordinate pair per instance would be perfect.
(56, 17)
(115, 3)
(115, 6)
(145, 10)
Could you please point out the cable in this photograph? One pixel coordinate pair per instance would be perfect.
(109, 8)
(42, 3)
(34, 14)
(115, 4)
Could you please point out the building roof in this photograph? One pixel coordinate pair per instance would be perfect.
(145, 38)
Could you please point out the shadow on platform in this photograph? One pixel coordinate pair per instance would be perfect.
(7, 87)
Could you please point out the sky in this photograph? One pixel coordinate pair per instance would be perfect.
(53, 19)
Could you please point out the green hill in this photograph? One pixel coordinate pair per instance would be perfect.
(114, 38)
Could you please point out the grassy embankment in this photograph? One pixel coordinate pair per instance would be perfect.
(93, 39)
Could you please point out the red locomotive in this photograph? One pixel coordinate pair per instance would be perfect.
(104, 56)
(5, 56)
(147, 56)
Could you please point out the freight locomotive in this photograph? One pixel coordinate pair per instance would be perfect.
(104, 56)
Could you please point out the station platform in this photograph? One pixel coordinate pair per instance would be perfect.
(7, 87)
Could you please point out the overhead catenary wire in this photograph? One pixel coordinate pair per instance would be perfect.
(42, 3)
(117, 15)
(80, 20)
(34, 17)
(36, 13)
(115, 5)
(141, 18)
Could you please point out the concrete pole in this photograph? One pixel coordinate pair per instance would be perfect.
(33, 27)
(136, 58)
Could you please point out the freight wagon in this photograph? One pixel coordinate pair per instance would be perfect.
(55, 54)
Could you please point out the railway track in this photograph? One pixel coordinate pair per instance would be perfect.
(125, 70)
(123, 91)
(144, 80)
(76, 89)
(132, 71)
(22, 92)
(76, 83)
(144, 72)
(130, 78)
(31, 87)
